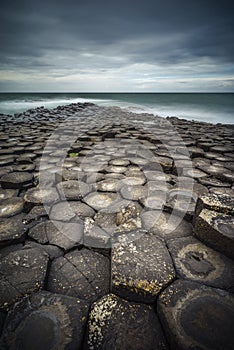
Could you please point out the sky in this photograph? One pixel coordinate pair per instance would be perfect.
(117, 46)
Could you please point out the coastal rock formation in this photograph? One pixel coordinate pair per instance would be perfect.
(116, 231)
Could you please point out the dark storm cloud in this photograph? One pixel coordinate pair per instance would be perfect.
(141, 40)
(197, 28)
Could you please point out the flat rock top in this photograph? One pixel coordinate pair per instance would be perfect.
(116, 231)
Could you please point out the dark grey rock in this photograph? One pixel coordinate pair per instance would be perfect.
(46, 321)
(51, 250)
(196, 316)
(166, 226)
(22, 272)
(197, 262)
(73, 190)
(36, 214)
(12, 229)
(40, 196)
(7, 193)
(216, 230)
(133, 192)
(95, 236)
(222, 203)
(16, 180)
(2, 321)
(65, 211)
(11, 206)
(115, 323)
(64, 235)
(81, 273)
(141, 269)
(107, 185)
(100, 200)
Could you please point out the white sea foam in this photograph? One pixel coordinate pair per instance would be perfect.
(202, 107)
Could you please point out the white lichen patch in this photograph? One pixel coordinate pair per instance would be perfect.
(99, 317)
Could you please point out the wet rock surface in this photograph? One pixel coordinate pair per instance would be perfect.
(46, 321)
(196, 316)
(108, 326)
(81, 273)
(116, 231)
(21, 273)
(141, 269)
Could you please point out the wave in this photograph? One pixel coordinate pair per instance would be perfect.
(202, 107)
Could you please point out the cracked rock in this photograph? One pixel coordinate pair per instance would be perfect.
(141, 269)
(115, 323)
(73, 190)
(81, 273)
(65, 211)
(22, 272)
(64, 235)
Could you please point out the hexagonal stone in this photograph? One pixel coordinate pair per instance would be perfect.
(107, 185)
(81, 273)
(37, 213)
(154, 200)
(210, 181)
(129, 212)
(105, 220)
(141, 269)
(219, 172)
(194, 173)
(100, 200)
(182, 202)
(196, 316)
(134, 180)
(66, 211)
(166, 226)
(116, 169)
(11, 206)
(216, 230)
(120, 161)
(95, 236)
(7, 193)
(51, 250)
(222, 203)
(195, 261)
(22, 271)
(24, 167)
(12, 229)
(73, 190)
(116, 323)
(16, 180)
(133, 192)
(64, 235)
(46, 321)
(40, 196)
(222, 190)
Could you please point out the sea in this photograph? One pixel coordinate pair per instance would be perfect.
(206, 107)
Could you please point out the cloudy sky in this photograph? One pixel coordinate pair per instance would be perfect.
(117, 45)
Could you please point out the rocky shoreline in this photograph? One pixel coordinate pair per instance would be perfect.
(116, 231)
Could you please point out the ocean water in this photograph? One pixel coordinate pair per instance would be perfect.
(207, 107)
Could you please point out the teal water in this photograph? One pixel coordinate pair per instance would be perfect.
(208, 107)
